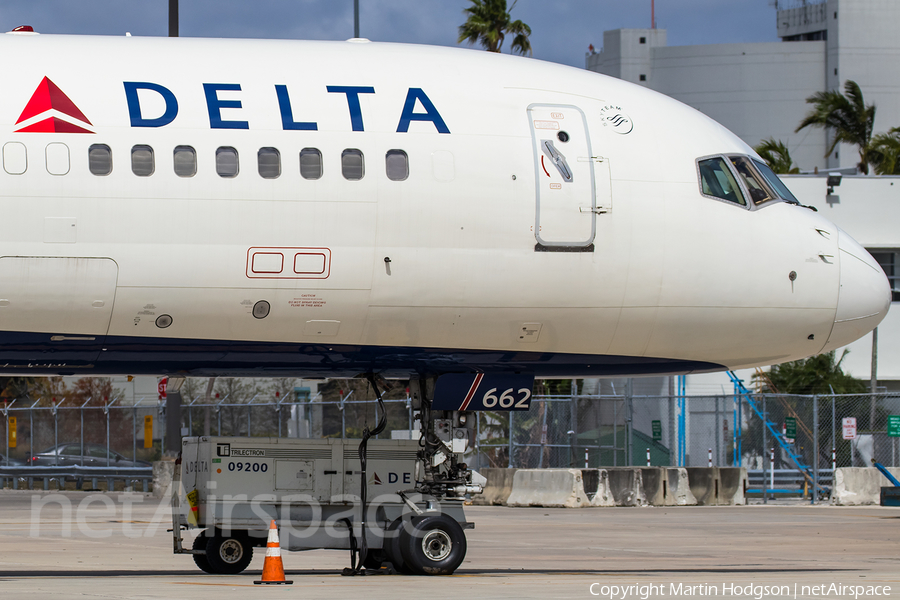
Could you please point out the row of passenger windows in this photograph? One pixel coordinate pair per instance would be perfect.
(268, 162)
(184, 161)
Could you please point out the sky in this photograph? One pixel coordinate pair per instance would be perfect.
(562, 30)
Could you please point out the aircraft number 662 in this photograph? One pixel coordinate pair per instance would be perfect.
(507, 399)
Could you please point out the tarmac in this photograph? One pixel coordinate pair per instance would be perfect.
(79, 545)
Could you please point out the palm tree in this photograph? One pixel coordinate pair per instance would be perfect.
(820, 374)
(776, 155)
(489, 22)
(886, 152)
(848, 117)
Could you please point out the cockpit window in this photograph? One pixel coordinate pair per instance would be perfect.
(716, 180)
(759, 193)
(774, 182)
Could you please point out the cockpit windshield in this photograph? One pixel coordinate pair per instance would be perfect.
(774, 182)
(717, 180)
(758, 190)
(735, 178)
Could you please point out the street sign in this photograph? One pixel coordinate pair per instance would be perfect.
(893, 426)
(12, 432)
(790, 427)
(657, 431)
(849, 428)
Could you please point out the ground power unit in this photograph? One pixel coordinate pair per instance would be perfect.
(408, 515)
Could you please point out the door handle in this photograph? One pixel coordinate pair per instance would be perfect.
(559, 161)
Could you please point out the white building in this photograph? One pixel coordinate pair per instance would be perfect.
(760, 90)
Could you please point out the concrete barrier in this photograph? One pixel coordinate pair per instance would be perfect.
(561, 488)
(856, 486)
(677, 488)
(654, 487)
(596, 487)
(732, 483)
(498, 488)
(718, 486)
(703, 484)
(622, 486)
(625, 484)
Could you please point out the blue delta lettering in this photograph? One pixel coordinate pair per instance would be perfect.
(223, 106)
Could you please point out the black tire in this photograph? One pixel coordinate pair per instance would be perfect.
(228, 554)
(200, 559)
(433, 545)
(374, 559)
(392, 536)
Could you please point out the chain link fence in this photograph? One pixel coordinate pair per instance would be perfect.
(755, 431)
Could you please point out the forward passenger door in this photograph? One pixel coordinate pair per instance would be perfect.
(571, 181)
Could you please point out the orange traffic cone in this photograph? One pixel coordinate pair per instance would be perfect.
(273, 568)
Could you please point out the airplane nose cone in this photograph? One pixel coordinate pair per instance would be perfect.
(864, 297)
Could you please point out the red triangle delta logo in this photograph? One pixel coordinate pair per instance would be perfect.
(59, 112)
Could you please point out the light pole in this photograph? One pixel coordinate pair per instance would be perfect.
(173, 18)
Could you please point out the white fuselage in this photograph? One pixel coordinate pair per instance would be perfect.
(489, 254)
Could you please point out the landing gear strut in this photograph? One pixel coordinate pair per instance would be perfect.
(445, 437)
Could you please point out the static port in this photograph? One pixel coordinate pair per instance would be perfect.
(261, 309)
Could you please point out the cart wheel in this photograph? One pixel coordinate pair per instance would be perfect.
(200, 559)
(392, 537)
(228, 555)
(433, 545)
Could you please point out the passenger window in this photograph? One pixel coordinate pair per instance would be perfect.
(310, 163)
(758, 191)
(185, 161)
(269, 160)
(397, 165)
(352, 165)
(774, 182)
(142, 161)
(100, 159)
(717, 180)
(226, 161)
(57, 158)
(15, 158)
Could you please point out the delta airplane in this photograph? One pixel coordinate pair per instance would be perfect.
(329, 209)
(466, 220)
